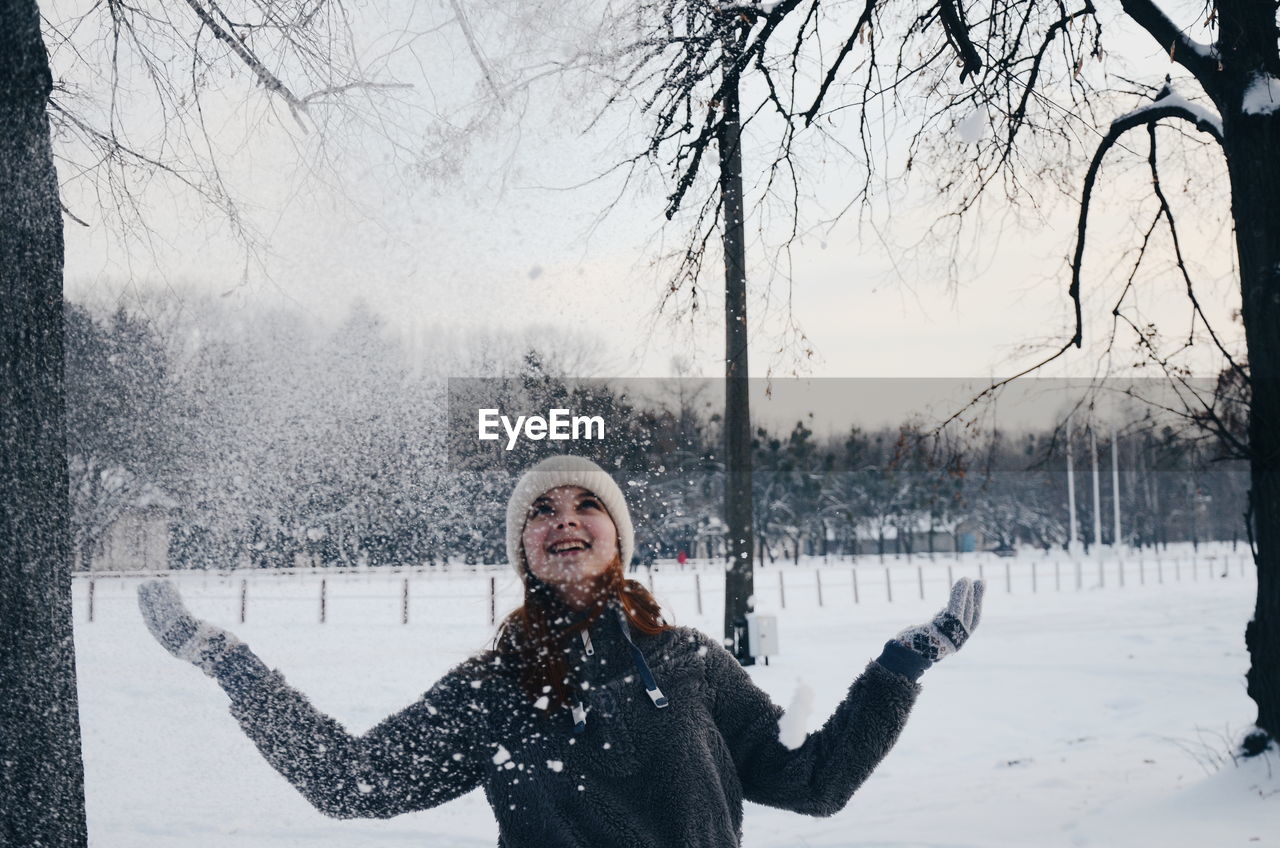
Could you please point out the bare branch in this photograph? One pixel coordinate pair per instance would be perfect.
(958, 33)
(1167, 212)
(854, 37)
(269, 80)
(470, 37)
(1166, 105)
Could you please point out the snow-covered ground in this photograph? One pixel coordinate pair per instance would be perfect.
(1093, 716)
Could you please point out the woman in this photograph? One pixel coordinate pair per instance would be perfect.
(591, 721)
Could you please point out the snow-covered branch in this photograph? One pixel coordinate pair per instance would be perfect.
(1169, 104)
(1200, 59)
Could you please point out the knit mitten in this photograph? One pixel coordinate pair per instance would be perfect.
(949, 628)
(182, 634)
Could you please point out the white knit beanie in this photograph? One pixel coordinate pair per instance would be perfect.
(555, 471)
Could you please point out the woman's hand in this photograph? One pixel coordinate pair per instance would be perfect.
(949, 628)
(182, 634)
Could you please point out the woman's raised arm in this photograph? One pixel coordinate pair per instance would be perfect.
(820, 776)
(422, 756)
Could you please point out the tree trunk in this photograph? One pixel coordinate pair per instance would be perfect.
(42, 774)
(739, 581)
(1251, 144)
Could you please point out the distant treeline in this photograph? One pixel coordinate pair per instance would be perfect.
(271, 440)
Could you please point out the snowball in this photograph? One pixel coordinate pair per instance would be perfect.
(542, 703)
(973, 127)
(791, 727)
(555, 765)
(502, 756)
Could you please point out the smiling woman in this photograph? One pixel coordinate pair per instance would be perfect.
(569, 541)
(562, 721)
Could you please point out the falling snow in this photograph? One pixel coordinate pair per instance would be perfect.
(973, 127)
(793, 726)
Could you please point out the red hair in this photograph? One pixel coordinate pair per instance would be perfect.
(535, 634)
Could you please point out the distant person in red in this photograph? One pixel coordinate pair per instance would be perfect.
(682, 558)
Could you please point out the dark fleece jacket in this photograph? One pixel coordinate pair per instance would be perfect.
(637, 777)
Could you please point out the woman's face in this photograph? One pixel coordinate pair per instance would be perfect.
(569, 537)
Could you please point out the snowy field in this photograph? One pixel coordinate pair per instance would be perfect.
(1095, 705)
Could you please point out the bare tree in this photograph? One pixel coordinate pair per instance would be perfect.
(42, 781)
(686, 61)
(142, 93)
(1016, 60)
(1025, 87)
(304, 57)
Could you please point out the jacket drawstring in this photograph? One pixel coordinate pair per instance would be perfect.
(642, 667)
(650, 685)
(580, 711)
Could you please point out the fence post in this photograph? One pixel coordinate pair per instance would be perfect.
(1008, 578)
(1079, 575)
(1195, 572)
(404, 602)
(1102, 573)
(888, 584)
(1033, 577)
(817, 575)
(697, 590)
(91, 599)
(651, 589)
(244, 598)
(1120, 567)
(1142, 572)
(1177, 570)
(920, 579)
(322, 600)
(493, 601)
(981, 575)
(854, 572)
(782, 590)
(950, 580)
(1057, 576)
(1159, 570)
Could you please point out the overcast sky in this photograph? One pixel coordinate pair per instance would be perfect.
(508, 241)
